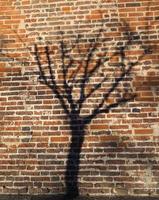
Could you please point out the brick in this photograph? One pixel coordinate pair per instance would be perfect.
(99, 126)
(59, 139)
(66, 9)
(143, 131)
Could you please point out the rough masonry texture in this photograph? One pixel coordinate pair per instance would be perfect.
(86, 73)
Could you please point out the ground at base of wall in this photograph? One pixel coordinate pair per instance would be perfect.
(50, 197)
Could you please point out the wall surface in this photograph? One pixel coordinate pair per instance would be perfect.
(79, 77)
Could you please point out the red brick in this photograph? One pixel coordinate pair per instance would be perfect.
(143, 131)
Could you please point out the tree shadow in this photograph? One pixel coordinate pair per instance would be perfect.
(75, 87)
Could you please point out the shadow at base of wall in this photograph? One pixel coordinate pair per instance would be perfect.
(61, 197)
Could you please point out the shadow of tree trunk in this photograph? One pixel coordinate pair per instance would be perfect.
(73, 160)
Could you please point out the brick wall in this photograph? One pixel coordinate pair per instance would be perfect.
(104, 63)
